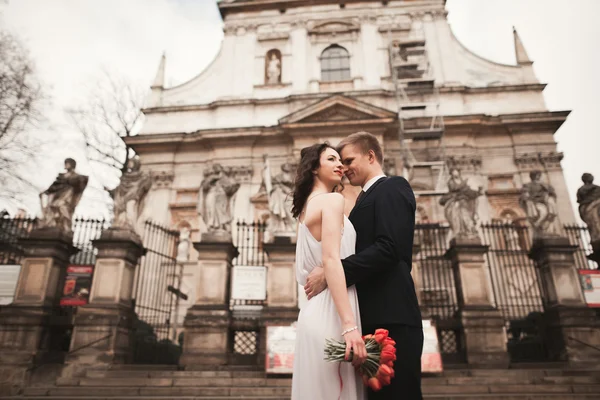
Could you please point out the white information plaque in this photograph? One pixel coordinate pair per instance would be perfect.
(249, 282)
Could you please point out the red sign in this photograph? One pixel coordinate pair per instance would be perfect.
(590, 283)
(78, 283)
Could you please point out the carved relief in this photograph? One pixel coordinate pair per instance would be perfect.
(336, 26)
(162, 179)
(533, 161)
(465, 162)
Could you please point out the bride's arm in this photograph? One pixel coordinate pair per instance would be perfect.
(331, 235)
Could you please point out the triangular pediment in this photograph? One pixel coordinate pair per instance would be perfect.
(337, 109)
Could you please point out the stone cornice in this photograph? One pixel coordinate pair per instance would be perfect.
(525, 122)
(238, 6)
(351, 93)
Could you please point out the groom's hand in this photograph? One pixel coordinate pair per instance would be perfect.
(315, 283)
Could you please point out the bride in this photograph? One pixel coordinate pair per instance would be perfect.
(325, 236)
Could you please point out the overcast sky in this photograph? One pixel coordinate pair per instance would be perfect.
(71, 41)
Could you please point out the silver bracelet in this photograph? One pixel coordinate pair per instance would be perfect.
(349, 330)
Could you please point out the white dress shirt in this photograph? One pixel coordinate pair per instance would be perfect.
(371, 181)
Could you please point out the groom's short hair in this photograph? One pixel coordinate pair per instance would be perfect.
(365, 141)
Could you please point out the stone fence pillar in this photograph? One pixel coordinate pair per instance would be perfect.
(102, 334)
(282, 288)
(25, 325)
(571, 327)
(206, 339)
(483, 324)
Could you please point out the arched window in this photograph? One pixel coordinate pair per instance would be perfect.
(335, 64)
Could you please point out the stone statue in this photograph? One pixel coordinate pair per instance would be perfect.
(216, 191)
(279, 191)
(460, 206)
(61, 198)
(273, 70)
(539, 202)
(389, 167)
(129, 196)
(183, 248)
(588, 197)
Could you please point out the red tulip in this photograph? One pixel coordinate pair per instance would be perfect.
(367, 337)
(389, 341)
(380, 335)
(374, 384)
(389, 348)
(385, 370)
(390, 364)
(387, 356)
(384, 379)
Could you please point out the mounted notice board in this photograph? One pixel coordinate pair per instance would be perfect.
(590, 283)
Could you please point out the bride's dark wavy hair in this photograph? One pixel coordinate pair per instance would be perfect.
(305, 179)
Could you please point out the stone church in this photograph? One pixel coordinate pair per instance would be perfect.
(292, 73)
(502, 273)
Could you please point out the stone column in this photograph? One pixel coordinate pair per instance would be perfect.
(25, 325)
(102, 334)
(571, 327)
(206, 338)
(483, 324)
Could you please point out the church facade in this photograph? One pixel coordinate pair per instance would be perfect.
(291, 73)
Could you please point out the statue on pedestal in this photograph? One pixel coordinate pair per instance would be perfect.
(183, 248)
(538, 199)
(279, 189)
(460, 206)
(216, 191)
(588, 197)
(61, 198)
(274, 70)
(129, 196)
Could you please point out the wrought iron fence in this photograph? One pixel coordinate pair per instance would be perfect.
(436, 288)
(85, 230)
(154, 300)
(580, 236)
(517, 288)
(249, 238)
(11, 230)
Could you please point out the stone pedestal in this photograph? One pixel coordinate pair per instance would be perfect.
(572, 329)
(102, 334)
(483, 324)
(29, 325)
(206, 326)
(282, 288)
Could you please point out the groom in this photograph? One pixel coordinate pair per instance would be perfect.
(384, 219)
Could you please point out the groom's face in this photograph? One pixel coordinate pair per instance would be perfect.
(356, 165)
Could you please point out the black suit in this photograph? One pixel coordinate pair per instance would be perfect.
(384, 220)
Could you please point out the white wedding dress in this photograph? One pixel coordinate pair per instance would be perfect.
(313, 377)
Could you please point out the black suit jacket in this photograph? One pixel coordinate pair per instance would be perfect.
(384, 220)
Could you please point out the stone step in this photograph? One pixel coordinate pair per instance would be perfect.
(277, 391)
(527, 396)
(92, 373)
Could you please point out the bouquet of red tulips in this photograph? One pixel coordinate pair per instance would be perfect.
(378, 369)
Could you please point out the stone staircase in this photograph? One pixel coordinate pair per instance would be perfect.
(164, 382)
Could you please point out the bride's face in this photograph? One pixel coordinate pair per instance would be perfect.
(330, 170)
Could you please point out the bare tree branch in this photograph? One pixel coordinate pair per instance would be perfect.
(111, 113)
(21, 103)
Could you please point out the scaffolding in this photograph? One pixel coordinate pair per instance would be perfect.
(418, 104)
